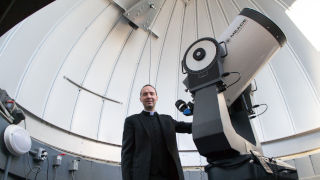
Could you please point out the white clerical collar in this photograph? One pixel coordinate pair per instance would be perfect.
(150, 112)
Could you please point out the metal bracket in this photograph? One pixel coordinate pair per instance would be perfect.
(225, 49)
(141, 13)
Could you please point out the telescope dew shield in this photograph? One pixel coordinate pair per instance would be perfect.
(251, 40)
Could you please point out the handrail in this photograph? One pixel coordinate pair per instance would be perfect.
(83, 88)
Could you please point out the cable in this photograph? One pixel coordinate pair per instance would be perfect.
(24, 169)
(228, 73)
(47, 168)
(28, 174)
(29, 163)
(258, 105)
(35, 178)
(201, 171)
(31, 168)
(54, 172)
(72, 174)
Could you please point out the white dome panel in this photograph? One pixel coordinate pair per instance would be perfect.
(296, 90)
(86, 115)
(120, 87)
(220, 23)
(28, 31)
(169, 63)
(230, 10)
(276, 117)
(160, 27)
(47, 60)
(61, 102)
(204, 24)
(140, 78)
(63, 94)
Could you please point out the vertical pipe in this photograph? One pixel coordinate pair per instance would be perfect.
(6, 171)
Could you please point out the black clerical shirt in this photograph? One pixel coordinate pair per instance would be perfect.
(159, 153)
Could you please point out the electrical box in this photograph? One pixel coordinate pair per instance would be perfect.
(74, 166)
(57, 161)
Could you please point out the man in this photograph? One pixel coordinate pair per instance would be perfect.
(149, 147)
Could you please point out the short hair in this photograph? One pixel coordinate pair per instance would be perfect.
(146, 86)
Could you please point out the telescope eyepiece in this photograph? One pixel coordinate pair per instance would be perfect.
(181, 105)
(186, 109)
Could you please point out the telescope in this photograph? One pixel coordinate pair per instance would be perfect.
(219, 73)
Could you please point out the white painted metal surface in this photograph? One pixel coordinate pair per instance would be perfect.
(91, 43)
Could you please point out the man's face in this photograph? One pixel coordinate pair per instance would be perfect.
(148, 98)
